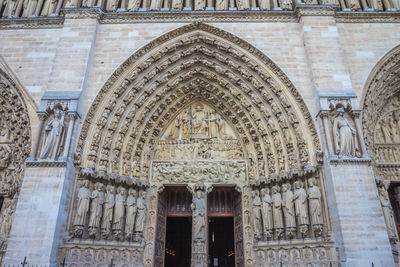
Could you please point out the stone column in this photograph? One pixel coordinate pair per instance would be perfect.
(199, 224)
(69, 134)
(42, 118)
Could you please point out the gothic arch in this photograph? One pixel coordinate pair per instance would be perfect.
(198, 61)
(381, 111)
(15, 145)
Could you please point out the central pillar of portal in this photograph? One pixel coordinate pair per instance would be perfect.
(199, 223)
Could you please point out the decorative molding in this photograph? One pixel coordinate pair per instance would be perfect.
(44, 163)
(367, 17)
(315, 10)
(31, 23)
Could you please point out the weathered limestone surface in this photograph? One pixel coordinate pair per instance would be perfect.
(40, 216)
(356, 215)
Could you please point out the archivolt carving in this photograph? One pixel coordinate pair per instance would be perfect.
(192, 63)
(15, 144)
(380, 116)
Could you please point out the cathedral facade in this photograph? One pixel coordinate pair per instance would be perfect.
(199, 133)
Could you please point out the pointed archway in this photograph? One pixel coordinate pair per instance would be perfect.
(197, 63)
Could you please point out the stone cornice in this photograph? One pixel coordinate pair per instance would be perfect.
(32, 23)
(201, 16)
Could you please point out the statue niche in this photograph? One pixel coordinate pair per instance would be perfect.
(199, 145)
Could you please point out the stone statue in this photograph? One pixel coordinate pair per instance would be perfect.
(141, 213)
(221, 5)
(343, 136)
(96, 209)
(288, 210)
(199, 123)
(6, 218)
(387, 210)
(177, 5)
(314, 201)
(9, 10)
(277, 210)
(264, 4)
(5, 156)
(49, 7)
(353, 4)
(300, 201)
(267, 212)
(257, 221)
(133, 5)
(199, 4)
(71, 3)
(108, 211)
(112, 5)
(82, 208)
(53, 136)
(130, 213)
(199, 216)
(29, 8)
(155, 4)
(88, 3)
(119, 211)
(285, 4)
(243, 4)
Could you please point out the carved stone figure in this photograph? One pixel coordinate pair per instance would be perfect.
(300, 201)
(387, 210)
(288, 210)
(53, 136)
(257, 219)
(9, 10)
(96, 209)
(199, 123)
(353, 4)
(6, 217)
(177, 5)
(277, 210)
(88, 3)
(5, 155)
(344, 136)
(49, 7)
(119, 211)
(199, 4)
(72, 3)
(221, 5)
(108, 211)
(243, 4)
(141, 213)
(267, 212)
(314, 200)
(130, 213)
(82, 208)
(285, 4)
(199, 216)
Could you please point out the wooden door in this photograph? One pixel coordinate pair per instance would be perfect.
(159, 251)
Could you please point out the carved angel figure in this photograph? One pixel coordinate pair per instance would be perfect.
(344, 136)
(257, 221)
(53, 136)
(314, 199)
(199, 216)
(82, 208)
(130, 213)
(96, 208)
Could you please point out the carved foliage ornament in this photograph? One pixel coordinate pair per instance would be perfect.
(197, 61)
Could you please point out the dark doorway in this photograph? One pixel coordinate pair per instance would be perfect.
(178, 242)
(221, 242)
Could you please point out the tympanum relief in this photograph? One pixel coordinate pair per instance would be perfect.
(199, 145)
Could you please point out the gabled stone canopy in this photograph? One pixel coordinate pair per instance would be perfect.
(198, 62)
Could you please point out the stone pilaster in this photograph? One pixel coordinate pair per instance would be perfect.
(41, 213)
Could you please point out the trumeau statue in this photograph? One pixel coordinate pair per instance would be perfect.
(53, 136)
(198, 207)
(96, 208)
(119, 211)
(130, 213)
(257, 219)
(267, 212)
(82, 208)
(300, 201)
(277, 210)
(288, 210)
(108, 211)
(344, 136)
(314, 199)
(141, 213)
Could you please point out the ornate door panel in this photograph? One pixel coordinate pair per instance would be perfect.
(238, 222)
(159, 251)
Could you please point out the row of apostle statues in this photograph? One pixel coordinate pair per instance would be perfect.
(109, 212)
(388, 129)
(34, 8)
(286, 211)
